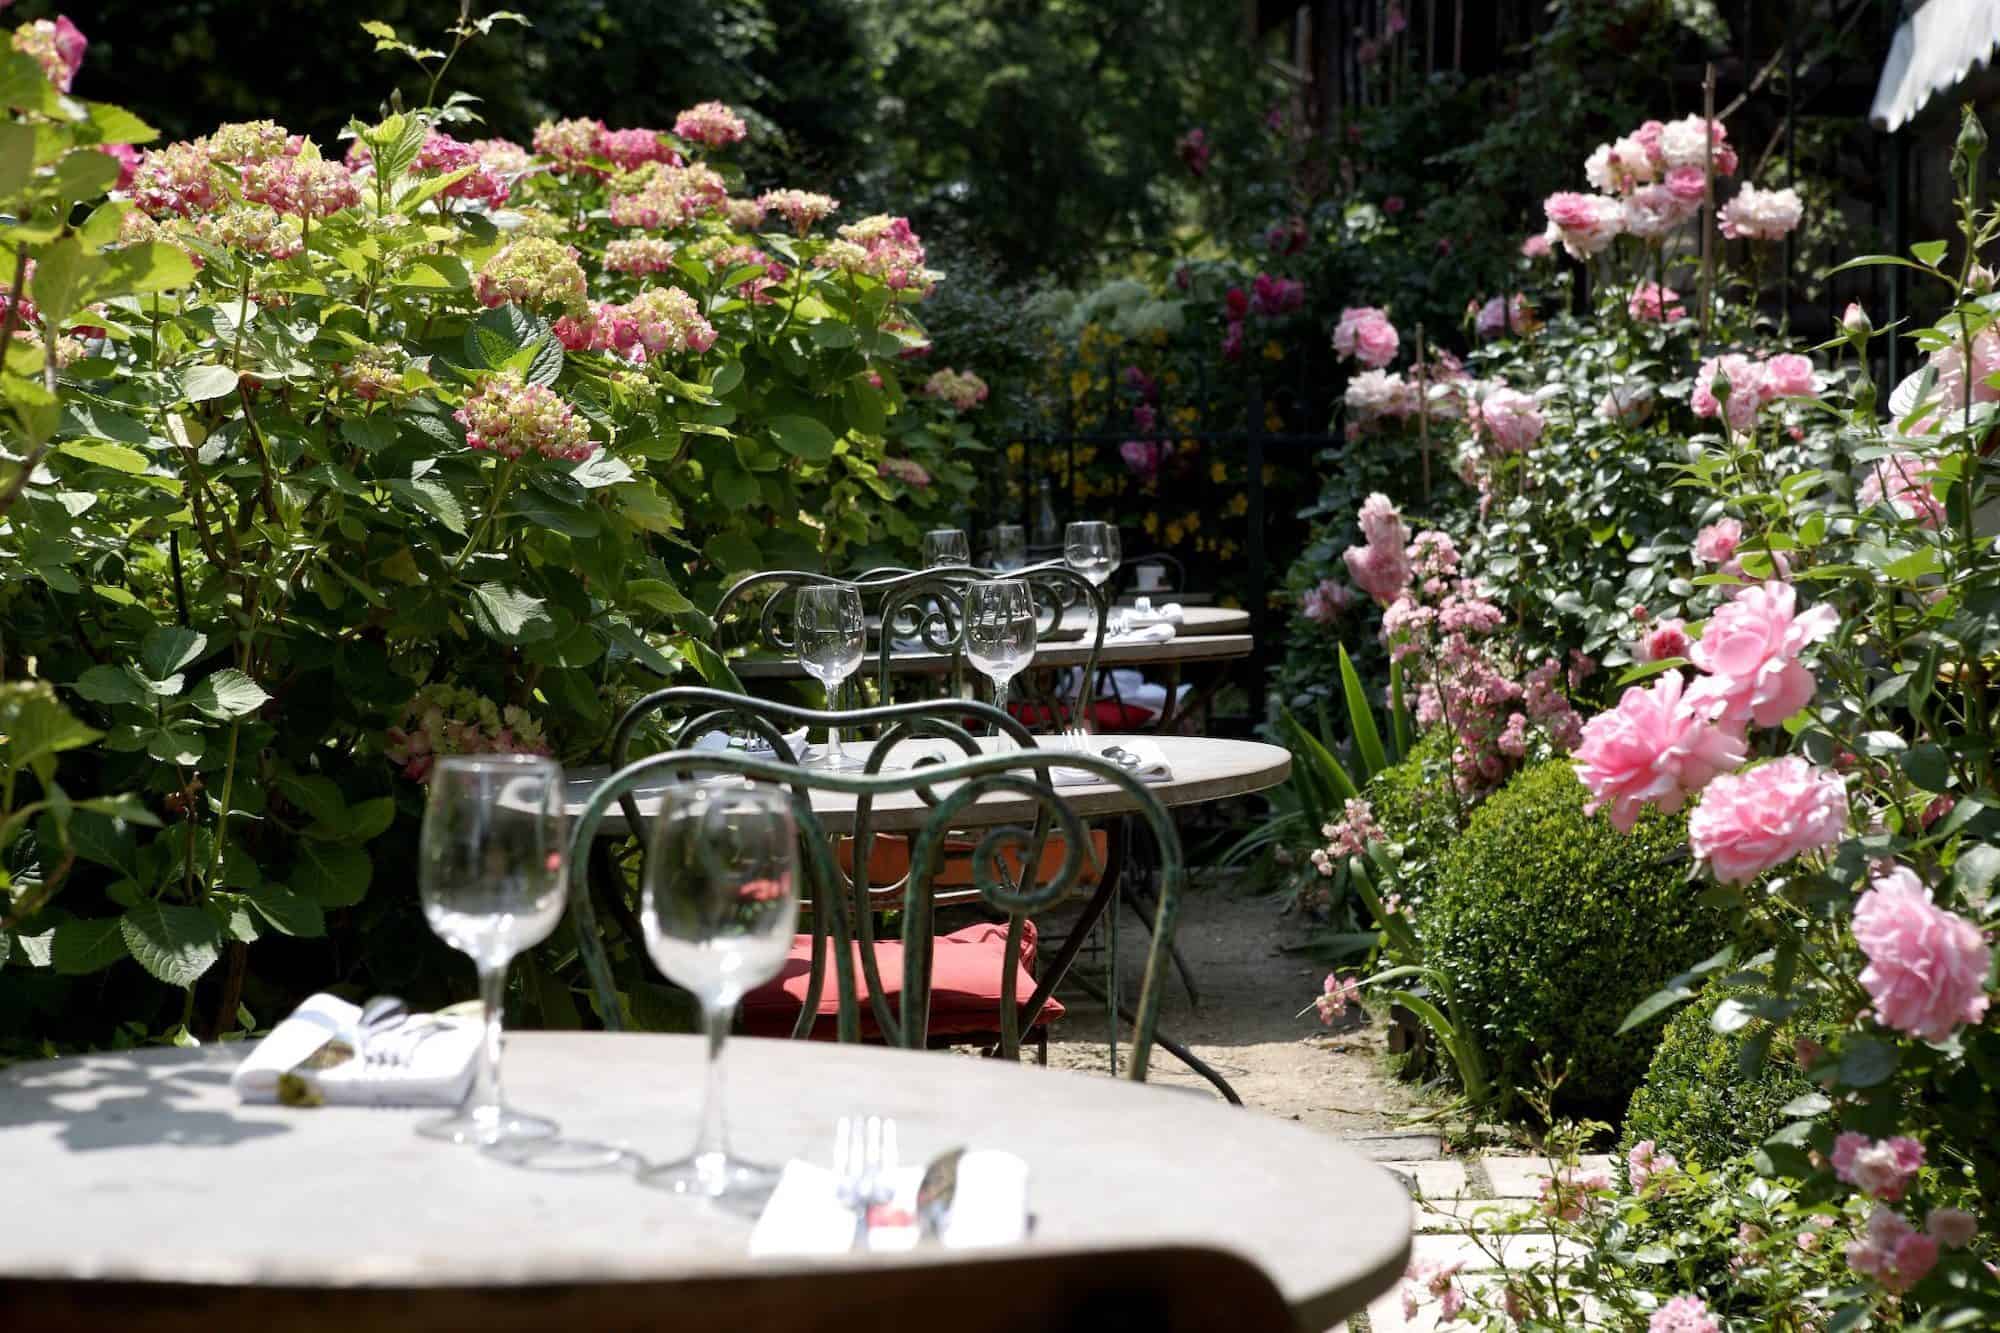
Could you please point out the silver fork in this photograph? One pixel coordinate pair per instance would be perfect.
(864, 1155)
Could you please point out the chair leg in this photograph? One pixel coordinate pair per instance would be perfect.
(1042, 1046)
(1180, 1052)
(1142, 904)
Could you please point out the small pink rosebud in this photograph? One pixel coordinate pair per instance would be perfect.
(1856, 320)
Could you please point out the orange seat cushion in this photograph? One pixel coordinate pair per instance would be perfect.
(965, 986)
(889, 861)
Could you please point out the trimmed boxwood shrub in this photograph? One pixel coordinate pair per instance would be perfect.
(1417, 809)
(1697, 1104)
(1550, 925)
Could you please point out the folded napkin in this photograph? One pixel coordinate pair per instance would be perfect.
(1144, 613)
(1157, 632)
(805, 1215)
(1149, 763)
(753, 745)
(311, 1058)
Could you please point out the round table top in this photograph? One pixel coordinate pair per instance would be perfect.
(1181, 648)
(1196, 622)
(161, 1175)
(1205, 768)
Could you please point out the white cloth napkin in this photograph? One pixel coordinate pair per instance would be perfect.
(1144, 613)
(1157, 632)
(806, 1217)
(441, 1054)
(1152, 767)
(751, 745)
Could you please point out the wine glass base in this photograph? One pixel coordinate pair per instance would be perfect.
(729, 1182)
(564, 1154)
(489, 1127)
(838, 763)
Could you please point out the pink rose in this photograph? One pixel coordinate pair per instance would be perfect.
(1585, 223)
(1891, 1251)
(1902, 482)
(1654, 304)
(1749, 822)
(1687, 184)
(1646, 1161)
(1668, 638)
(1381, 568)
(1879, 1168)
(1927, 968)
(1365, 333)
(1789, 376)
(1747, 391)
(1750, 651)
(1952, 1228)
(1716, 544)
(1535, 246)
(1655, 748)
(1510, 420)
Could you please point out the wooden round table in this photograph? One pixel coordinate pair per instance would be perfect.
(140, 1165)
(1182, 648)
(1204, 769)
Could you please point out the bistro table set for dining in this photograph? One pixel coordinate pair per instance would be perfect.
(753, 868)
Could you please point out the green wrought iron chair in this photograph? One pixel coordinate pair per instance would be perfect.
(924, 607)
(933, 802)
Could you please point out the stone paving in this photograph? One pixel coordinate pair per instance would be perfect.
(1453, 1200)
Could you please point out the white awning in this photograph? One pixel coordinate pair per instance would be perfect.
(1933, 51)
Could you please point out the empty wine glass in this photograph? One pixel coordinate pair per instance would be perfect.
(946, 547)
(1000, 634)
(832, 638)
(491, 872)
(1010, 547)
(719, 910)
(1091, 549)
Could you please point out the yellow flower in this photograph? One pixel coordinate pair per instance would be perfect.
(1151, 524)
(1273, 351)
(1218, 473)
(1016, 452)
(1174, 534)
(1193, 521)
(1171, 378)
(1079, 383)
(1189, 446)
(1186, 416)
(1239, 504)
(1227, 550)
(1086, 454)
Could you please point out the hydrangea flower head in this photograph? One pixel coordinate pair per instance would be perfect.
(533, 271)
(710, 123)
(800, 208)
(514, 419)
(57, 45)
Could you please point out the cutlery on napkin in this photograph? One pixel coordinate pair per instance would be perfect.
(1143, 759)
(753, 745)
(318, 1054)
(1143, 613)
(806, 1215)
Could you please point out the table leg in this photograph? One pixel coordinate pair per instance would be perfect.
(1107, 889)
(1180, 1052)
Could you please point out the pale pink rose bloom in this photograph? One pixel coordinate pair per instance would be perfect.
(1949, 363)
(1668, 638)
(1879, 1168)
(1927, 968)
(1760, 215)
(1655, 212)
(1656, 748)
(1683, 1314)
(1510, 420)
(1952, 1228)
(1716, 544)
(1746, 390)
(1891, 1251)
(1789, 376)
(1901, 481)
(1653, 303)
(1687, 184)
(1750, 650)
(1855, 320)
(1365, 333)
(1749, 822)
(1586, 223)
(1646, 1161)
(1381, 568)
(1536, 246)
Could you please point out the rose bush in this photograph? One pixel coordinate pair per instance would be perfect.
(324, 461)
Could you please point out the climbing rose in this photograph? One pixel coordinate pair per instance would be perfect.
(1365, 333)
(513, 418)
(1891, 1251)
(1656, 748)
(1716, 544)
(1749, 822)
(1336, 994)
(1901, 481)
(1511, 421)
(1927, 968)
(1952, 1228)
(1584, 223)
(1750, 650)
(1646, 1161)
(1683, 1314)
(57, 46)
(1535, 246)
(1380, 393)
(1326, 601)
(1788, 375)
(1565, 1194)
(1655, 304)
(801, 208)
(710, 123)
(1381, 567)
(1760, 215)
(1682, 144)
(1746, 390)
(533, 271)
(1665, 639)
(1880, 1168)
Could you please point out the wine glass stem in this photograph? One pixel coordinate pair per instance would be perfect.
(485, 1094)
(833, 751)
(712, 1139)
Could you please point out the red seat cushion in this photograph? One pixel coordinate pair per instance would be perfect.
(965, 986)
(1105, 714)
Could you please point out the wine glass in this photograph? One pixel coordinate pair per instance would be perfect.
(719, 910)
(1000, 634)
(491, 865)
(832, 638)
(946, 547)
(1010, 547)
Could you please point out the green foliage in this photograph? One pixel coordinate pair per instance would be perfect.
(1549, 925)
(1698, 1102)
